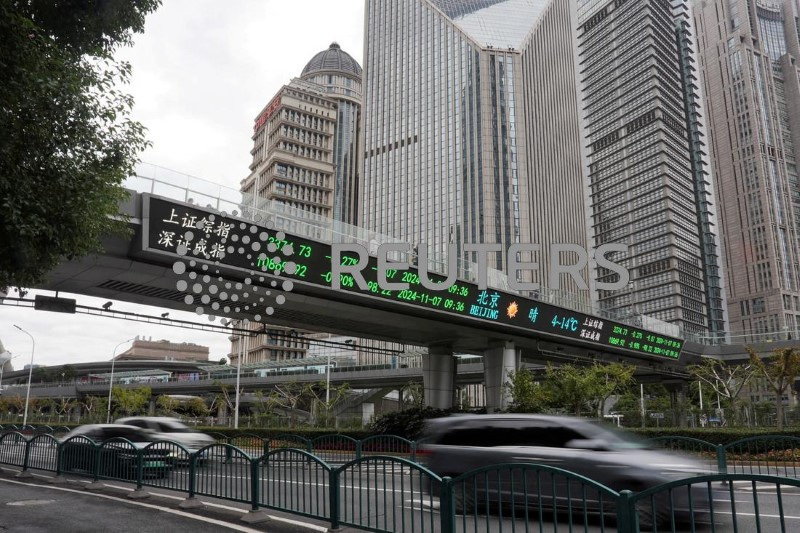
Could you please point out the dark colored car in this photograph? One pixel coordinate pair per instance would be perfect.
(118, 457)
(460, 444)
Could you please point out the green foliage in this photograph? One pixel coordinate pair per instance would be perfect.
(712, 435)
(780, 371)
(166, 405)
(194, 407)
(129, 402)
(66, 139)
(408, 423)
(528, 396)
(568, 387)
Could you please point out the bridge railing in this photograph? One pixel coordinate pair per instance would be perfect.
(391, 494)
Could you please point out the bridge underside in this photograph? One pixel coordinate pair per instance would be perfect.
(120, 275)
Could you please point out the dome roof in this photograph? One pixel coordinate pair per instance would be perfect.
(334, 58)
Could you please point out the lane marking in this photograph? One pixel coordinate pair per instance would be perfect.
(176, 512)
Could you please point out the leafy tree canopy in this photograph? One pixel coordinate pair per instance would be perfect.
(66, 141)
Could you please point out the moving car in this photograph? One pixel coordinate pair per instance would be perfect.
(171, 429)
(460, 444)
(119, 454)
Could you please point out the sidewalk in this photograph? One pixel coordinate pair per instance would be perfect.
(37, 505)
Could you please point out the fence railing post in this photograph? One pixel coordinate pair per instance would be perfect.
(722, 460)
(358, 449)
(254, 485)
(27, 455)
(96, 473)
(59, 458)
(139, 469)
(265, 447)
(192, 472)
(627, 520)
(333, 487)
(414, 451)
(446, 505)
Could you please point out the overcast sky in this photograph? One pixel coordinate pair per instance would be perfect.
(202, 71)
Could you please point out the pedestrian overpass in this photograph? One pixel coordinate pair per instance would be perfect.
(241, 258)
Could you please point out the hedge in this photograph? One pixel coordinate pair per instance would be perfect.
(713, 435)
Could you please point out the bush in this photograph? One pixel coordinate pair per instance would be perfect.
(713, 435)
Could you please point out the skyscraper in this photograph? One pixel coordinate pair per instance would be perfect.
(749, 53)
(305, 156)
(471, 131)
(306, 138)
(648, 178)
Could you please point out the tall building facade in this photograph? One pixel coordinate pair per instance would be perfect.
(305, 140)
(749, 59)
(305, 156)
(471, 130)
(648, 178)
(340, 76)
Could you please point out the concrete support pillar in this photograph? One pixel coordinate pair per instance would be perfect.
(497, 363)
(438, 377)
(151, 408)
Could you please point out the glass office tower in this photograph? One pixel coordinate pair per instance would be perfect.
(648, 177)
(749, 53)
(471, 130)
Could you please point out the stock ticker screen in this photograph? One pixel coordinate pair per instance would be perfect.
(212, 237)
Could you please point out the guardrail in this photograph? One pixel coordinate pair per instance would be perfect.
(392, 494)
(765, 454)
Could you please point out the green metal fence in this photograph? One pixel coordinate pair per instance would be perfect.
(388, 493)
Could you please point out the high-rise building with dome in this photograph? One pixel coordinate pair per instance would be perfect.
(305, 156)
(305, 140)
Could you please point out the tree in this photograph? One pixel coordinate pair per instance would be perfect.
(64, 405)
(166, 404)
(94, 405)
(779, 371)
(66, 140)
(130, 401)
(195, 407)
(568, 386)
(607, 380)
(727, 380)
(527, 394)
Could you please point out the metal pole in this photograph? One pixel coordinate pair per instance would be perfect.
(111, 379)
(30, 375)
(328, 381)
(641, 399)
(238, 373)
(700, 386)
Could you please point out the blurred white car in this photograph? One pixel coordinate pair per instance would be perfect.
(172, 429)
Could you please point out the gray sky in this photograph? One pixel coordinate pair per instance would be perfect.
(202, 71)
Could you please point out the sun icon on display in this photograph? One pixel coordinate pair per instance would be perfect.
(512, 310)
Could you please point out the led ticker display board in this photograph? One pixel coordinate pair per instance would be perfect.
(209, 236)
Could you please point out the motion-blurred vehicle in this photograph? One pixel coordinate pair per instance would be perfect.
(171, 429)
(611, 457)
(119, 454)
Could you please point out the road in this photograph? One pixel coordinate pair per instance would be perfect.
(386, 495)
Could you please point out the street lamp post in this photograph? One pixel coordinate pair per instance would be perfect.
(30, 375)
(111, 379)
